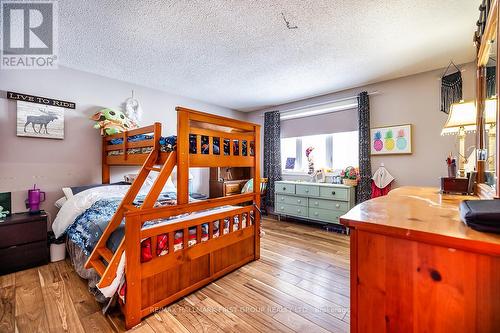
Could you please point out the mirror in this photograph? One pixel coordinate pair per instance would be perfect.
(486, 102)
(489, 153)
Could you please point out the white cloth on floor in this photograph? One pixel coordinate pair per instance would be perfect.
(382, 177)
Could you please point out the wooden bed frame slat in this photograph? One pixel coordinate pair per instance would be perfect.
(206, 260)
(130, 145)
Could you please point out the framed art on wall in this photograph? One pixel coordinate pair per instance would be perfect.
(40, 121)
(391, 140)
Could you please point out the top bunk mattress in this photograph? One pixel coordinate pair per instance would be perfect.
(169, 144)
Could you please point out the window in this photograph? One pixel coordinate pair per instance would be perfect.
(330, 151)
(345, 150)
(289, 150)
(318, 153)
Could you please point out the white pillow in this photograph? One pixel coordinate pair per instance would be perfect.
(169, 185)
(67, 192)
(59, 203)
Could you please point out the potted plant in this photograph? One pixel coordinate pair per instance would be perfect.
(350, 176)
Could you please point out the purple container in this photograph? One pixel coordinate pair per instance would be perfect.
(35, 197)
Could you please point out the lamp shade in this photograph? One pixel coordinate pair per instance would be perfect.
(462, 117)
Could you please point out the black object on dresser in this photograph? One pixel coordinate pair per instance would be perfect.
(23, 242)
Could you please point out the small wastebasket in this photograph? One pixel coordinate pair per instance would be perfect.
(57, 247)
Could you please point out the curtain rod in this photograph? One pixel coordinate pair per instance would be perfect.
(327, 102)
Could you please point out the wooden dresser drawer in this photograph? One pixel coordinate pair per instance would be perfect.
(18, 257)
(22, 233)
(285, 188)
(312, 191)
(290, 200)
(233, 188)
(342, 206)
(291, 210)
(334, 193)
(325, 215)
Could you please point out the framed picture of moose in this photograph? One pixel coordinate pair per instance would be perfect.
(40, 121)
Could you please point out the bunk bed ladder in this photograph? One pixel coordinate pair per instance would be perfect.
(101, 250)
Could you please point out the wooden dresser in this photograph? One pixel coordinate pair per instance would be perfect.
(314, 201)
(415, 267)
(227, 181)
(23, 242)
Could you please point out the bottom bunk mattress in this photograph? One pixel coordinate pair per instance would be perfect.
(85, 217)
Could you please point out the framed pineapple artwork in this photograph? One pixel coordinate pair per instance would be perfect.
(391, 140)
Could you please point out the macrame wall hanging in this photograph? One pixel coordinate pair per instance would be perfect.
(451, 88)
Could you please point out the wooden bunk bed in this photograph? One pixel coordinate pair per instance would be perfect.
(164, 279)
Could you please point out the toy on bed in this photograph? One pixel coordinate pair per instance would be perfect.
(111, 122)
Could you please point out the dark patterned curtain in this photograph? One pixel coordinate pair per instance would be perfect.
(491, 89)
(272, 152)
(451, 90)
(364, 190)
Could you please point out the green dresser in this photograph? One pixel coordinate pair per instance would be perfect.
(314, 201)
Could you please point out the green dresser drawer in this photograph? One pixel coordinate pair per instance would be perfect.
(284, 188)
(329, 204)
(325, 215)
(312, 191)
(334, 193)
(290, 200)
(291, 210)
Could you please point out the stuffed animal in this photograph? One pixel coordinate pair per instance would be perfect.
(111, 122)
(310, 160)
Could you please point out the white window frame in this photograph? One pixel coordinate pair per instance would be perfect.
(298, 156)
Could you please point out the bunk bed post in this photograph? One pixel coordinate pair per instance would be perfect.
(182, 156)
(133, 304)
(105, 166)
(256, 189)
(157, 136)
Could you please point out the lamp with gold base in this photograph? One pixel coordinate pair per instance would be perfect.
(462, 120)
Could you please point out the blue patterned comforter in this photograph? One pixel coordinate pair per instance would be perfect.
(88, 227)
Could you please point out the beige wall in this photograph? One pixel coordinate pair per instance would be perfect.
(413, 99)
(76, 160)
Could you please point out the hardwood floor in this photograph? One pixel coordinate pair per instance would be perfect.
(300, 284)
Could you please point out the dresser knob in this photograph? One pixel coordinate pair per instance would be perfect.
(333, 192)
(337, 205)
(282, 207)
(282, 199)
(298, 211)
(316, 203)
(316, 214)
(307, 190)
(284, 188)
(299, 201)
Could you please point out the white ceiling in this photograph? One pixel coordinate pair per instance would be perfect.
(240, 54)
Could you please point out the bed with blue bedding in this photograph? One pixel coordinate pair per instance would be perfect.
(84, 217)
(88, 227)
(169, 144)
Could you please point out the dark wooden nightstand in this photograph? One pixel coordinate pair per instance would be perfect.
(23, 242)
